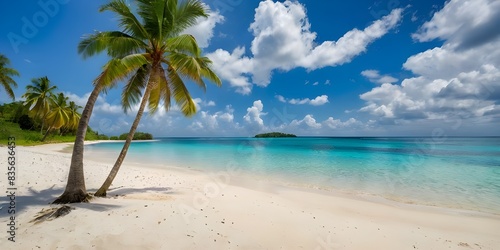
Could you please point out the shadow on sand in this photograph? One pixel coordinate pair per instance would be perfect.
(43, 198)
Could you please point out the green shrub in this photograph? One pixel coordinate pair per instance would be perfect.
(137, 136)
(25, 122)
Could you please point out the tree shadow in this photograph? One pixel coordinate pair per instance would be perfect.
(121, 191)
(34, 198)
(44, 198)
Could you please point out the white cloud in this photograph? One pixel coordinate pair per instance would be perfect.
(202, 103)
(353, 43)
(203, 30)
(218, 122)
(307, 122)
(459, 80)
(280, 98)
(233, 67)
(338, 124)
(283, 41)
(374, 76)
(318, 101)
(463, 23)
(299, 101)
(254, 114)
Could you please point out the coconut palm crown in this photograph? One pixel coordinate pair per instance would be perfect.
(151, 54)
(6, 75)
(153, 57)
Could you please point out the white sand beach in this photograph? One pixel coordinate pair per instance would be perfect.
(173, 208)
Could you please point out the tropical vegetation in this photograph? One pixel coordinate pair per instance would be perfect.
(152, 55)
(6, 74)
(137, 136)
(274, 135)
(15, 122)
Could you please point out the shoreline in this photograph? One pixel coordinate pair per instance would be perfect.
(287, 181)
(199, 210)
(281, 183)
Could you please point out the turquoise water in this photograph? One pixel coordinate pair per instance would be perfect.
(449, 172)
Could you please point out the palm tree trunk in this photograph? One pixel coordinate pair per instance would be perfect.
(75, 188)
(48, 130)
(114, 171)
(46, 133)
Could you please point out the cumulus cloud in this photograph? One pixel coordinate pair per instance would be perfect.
(309, 125)
(307, 122)
(283, 40)
(463, 23)
(458, 80)
(203, 30)
(233, 67)
(318, 101)
(254, 115)
(375, 77)
(339, 124)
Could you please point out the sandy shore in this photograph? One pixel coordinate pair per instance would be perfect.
(173, 208)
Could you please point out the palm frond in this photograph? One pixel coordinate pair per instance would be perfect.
(128, 21)
(39, 97)
(187, 15)
(7, 84)
(136, 60)
(157, 82)
(184, 44)
(116, 43)
(207, 72)
(115, 70)
(181, 94)
(132, 91)
(188, 67)
(151, 12)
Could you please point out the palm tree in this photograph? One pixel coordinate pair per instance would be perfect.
(6, 75)
(38, 98)
(169, 57)
(152, 55)
(58, 115)
(73, 117)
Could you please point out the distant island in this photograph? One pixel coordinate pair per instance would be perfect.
(137, 136)
(274, 135)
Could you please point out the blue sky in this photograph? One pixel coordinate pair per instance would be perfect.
(334, 68)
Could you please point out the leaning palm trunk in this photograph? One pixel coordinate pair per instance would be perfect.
(75, 188)
(114, 171)
(48, 130)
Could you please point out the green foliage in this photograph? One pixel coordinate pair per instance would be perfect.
(274, 135)
(26, 134)
(103, 137)
(25, 122)
(149, 52)
(22, 137)
(137, 136)
(91, 135)
(6, 75)
(114, 138)
(13, 111)
(39, 97)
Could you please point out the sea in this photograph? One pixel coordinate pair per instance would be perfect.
(452, 172)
